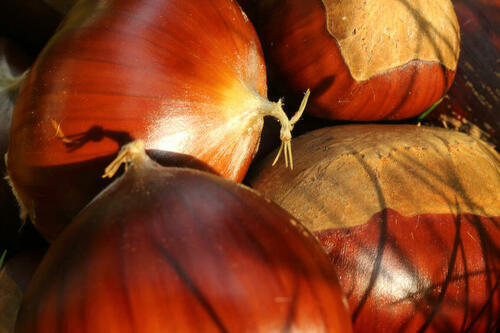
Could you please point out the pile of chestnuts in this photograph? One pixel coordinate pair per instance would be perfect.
(194, 166)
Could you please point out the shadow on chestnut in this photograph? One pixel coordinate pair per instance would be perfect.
(74, 185)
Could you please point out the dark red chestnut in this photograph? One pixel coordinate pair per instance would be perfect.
(184, 76)
(410, 217)
(363, 60)
(180, 250)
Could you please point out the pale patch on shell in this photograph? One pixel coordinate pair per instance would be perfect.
(375, 36)
(346, 174)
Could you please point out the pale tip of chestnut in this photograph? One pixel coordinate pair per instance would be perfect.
(133, 153)
(286, 129)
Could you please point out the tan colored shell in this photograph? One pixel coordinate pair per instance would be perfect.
(344, 175)
(377, 35)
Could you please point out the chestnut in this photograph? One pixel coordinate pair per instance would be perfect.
(410, 217)
(368, 60)
(180, 250)
(187, 77)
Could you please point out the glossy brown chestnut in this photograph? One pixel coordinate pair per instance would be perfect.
(410, 217)
(473, 102)
(430, 272)
(368, 60)
(180, 250)
(184, 76)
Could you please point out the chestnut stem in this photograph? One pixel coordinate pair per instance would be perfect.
(135, 151)
(276, 110)
(131, 153)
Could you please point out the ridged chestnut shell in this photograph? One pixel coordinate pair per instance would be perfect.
(410, 217)
(368, 60)
(178, 250)
(186, 77)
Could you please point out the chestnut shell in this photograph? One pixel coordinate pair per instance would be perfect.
(410, 217)
(304, 55)
(430, 272)
(177, 250)
(167, 72)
